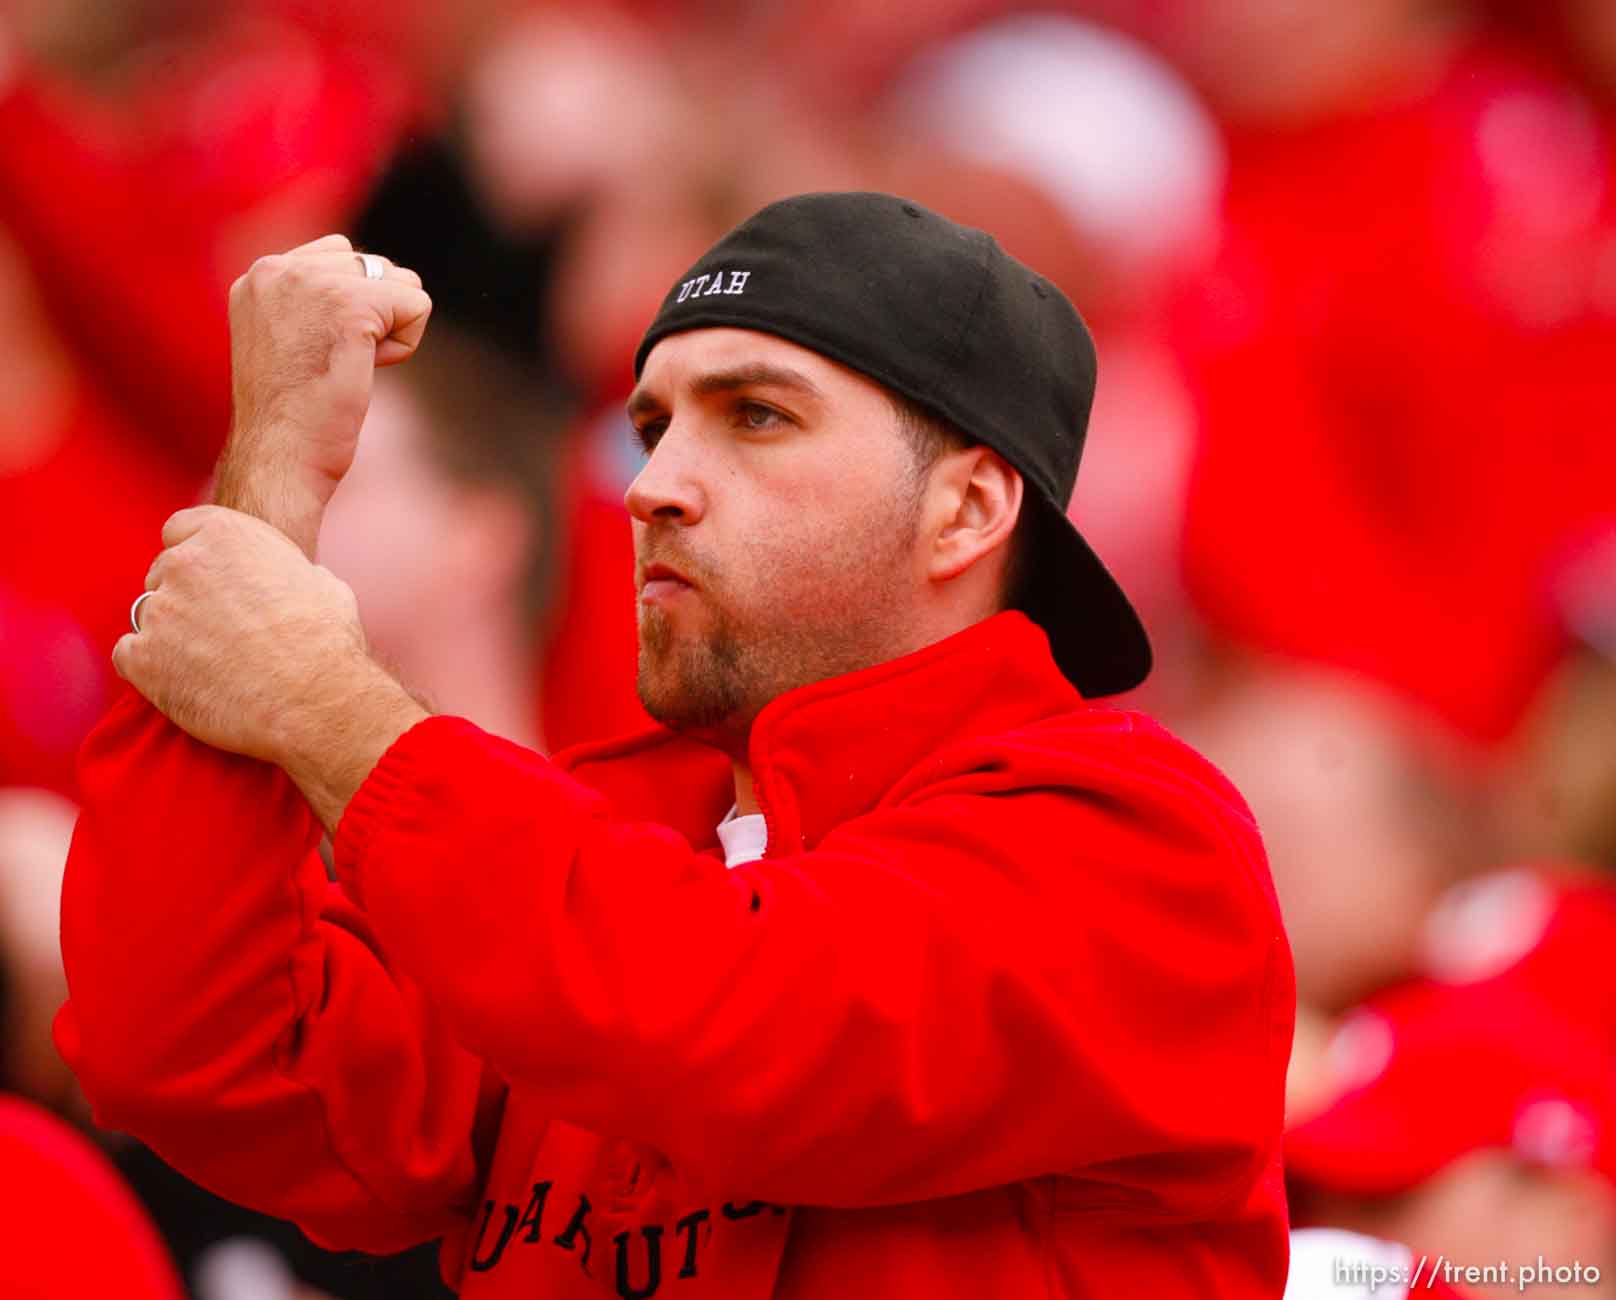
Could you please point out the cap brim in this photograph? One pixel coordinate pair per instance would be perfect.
(1098, 642)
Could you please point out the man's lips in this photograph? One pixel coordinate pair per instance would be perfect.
(659, 580)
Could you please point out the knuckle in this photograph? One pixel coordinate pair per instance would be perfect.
(337, 298)
(174, 526)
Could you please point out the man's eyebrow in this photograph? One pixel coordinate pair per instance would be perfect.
(640, 402)
(758, 374)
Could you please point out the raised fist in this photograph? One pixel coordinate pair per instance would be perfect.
(307, 330)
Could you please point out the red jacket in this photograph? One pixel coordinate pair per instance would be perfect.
(1004, 1011)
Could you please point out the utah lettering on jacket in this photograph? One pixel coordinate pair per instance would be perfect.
(638, 1269)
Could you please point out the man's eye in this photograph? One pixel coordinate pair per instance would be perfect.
(757, 416)
(648, 433)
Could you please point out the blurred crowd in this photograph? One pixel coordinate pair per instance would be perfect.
(1351, 269)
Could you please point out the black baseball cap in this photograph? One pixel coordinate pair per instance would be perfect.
(941, 314)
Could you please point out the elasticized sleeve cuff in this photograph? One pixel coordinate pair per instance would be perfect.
(387, 797)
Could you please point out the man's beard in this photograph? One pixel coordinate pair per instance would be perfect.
(714, 682)
(717, 680)
(702, 683)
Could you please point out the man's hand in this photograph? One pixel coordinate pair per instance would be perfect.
(307, 330)
(252, 648)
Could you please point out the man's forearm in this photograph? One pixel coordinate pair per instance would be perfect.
(282, 496)
(333, 739)
(332, 743)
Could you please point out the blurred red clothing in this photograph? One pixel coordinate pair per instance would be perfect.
(136, 216)
(74, 1231)
(1534, 1083)
(1514, 999)
(590, 660)
(1402, 364)
(78, 529)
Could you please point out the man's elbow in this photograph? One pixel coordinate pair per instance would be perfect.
(134, 1079)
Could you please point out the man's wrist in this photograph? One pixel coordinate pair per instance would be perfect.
(285, 497)
(330, 743)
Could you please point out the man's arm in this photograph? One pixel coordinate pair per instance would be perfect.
(974, 988)
(308, 329)
(229, 656)
(229, 1007)
(228, 1004)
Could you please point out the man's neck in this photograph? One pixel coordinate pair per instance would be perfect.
(745, 798)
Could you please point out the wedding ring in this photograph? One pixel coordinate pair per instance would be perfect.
(134, 610)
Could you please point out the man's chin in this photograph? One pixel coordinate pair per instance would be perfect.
(679, 712)
(696, 703)
(690, 680)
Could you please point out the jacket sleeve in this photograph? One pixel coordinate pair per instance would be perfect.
(228, 1006)
(968, 989)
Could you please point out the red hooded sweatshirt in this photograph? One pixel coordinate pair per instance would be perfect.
(1003, 1011)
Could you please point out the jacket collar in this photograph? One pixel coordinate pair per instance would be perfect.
(831, 750)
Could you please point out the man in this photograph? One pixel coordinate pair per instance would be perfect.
(979, 991)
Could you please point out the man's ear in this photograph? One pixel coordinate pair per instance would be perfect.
(977, 498)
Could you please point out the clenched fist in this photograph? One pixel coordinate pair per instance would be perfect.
(307, 330)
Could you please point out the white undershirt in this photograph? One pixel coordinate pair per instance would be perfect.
(743, 838)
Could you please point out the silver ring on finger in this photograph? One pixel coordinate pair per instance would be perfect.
(374, 267)
(134, 610)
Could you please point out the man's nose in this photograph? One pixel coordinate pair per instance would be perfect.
(668, 488)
